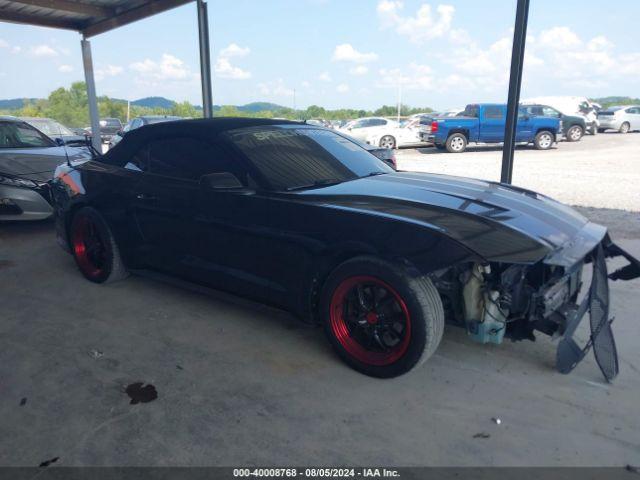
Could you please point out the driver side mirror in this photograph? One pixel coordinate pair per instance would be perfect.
(221, 181)
(59, 141)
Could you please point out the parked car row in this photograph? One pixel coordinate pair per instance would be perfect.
(572, 118)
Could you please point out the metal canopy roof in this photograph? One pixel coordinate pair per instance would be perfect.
(89, 17)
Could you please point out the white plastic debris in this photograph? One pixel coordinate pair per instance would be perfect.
(496, 420)
(96, 354)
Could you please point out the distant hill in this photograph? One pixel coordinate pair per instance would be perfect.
(259, 107)
(150, 102)
(15, 103)
(154, 102)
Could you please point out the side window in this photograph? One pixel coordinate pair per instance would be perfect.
(359, 124)
(140, 160)
(493, 113)
(188, 159)
(633, 110)
(469, 111)
(137, 123)
(550, 112)
(377, 122)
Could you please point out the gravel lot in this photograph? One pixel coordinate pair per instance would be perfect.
(600, 171)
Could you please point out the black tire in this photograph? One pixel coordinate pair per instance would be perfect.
(387, 141)
(94, 247)
(456, 143)
(414, 302)
(625, 128)
(544, 140)
(574, 133)
(593, 129)
(439, 146)
(601, 130)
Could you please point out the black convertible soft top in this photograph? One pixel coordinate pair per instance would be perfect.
(201, 128)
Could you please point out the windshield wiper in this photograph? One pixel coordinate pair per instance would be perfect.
(325, 182)
(374, 174)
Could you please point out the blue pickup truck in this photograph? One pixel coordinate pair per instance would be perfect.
(484, 123)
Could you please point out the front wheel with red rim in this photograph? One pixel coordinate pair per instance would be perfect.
(94, 247)
(381, 320)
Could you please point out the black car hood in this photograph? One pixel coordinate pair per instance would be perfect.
(36, 163)
(497, 221)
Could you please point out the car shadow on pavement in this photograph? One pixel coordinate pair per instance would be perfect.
(471, 148)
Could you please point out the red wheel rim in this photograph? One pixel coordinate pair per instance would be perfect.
(88, 247)
(370, 320)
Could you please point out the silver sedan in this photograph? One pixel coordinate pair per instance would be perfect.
(623, 119)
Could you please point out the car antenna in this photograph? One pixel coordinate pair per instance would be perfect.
(61, 143)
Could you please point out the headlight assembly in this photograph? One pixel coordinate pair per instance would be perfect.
(17, 182)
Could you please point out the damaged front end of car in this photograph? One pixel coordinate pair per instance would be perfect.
(492, 300)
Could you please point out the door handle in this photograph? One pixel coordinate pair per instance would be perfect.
(144, 196)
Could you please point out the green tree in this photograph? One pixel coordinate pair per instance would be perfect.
(185, 109)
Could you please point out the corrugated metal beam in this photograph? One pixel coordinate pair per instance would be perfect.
(39, 20)
(72, 7)
(94, 114)
(129, 16)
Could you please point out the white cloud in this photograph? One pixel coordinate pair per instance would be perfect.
(224, 69)
(415, 77)
(4, 43)
(66, 69)
(342, 88)
(306, 84)
(359, 70)
(43, 51)
(346, 53)
(169, 67)
(424, 25)
(600, 43)
(234, 50)
(16, 49)
(101, 73)
(325, 77)
(559, 38)
(275, 88)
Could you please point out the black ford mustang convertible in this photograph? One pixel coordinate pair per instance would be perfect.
(299, 217)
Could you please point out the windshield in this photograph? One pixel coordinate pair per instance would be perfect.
(22, 135)
(50, 127)
(153, 120)
(296, 158)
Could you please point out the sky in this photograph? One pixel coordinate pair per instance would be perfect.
(342, 53)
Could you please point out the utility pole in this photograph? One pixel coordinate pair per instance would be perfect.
(515, 82)
(128, 110)
(294, 100)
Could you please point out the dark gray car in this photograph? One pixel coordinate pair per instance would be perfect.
(54, 130)
(28, 159)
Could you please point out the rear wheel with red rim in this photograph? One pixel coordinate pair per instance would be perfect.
(381, 320)
(94, 247)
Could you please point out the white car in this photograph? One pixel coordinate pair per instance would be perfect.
(623, 118)
(406, 136)
(362, 128)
